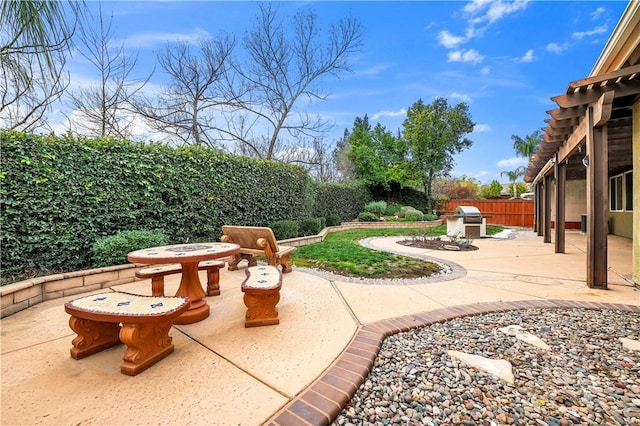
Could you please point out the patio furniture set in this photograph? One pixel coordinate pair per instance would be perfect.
(143, 323)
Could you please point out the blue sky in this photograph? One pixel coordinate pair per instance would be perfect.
(505, 59)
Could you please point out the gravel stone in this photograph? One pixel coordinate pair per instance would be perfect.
(586, 377)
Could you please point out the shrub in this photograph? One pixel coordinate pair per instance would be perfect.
(311, 226)
(368, 217)
(333, 220)
(392, 209)
(414, 214)
(429, 216)
(376, 207)
(284, 229)
(403, 210)
(113, 250)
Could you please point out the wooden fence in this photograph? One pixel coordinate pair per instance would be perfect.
(501, 212)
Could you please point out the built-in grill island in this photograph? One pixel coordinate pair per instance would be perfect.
(467, 221)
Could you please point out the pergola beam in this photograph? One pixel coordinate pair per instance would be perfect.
(622, 88)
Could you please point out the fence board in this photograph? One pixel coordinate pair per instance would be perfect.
(501, 212)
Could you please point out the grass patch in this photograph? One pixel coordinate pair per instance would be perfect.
(341, 253)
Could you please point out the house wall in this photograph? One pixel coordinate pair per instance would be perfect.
(575, 200)
(636, 190)
(621, 223)
(575, 203)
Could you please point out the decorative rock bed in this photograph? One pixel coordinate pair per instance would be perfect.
(590, 374)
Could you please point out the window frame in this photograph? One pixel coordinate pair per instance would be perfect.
(619, 191)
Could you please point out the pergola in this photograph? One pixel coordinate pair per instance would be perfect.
(589, 136)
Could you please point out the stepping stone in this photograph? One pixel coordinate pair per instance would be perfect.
(520, 334)
(630, 344)
(499, 368)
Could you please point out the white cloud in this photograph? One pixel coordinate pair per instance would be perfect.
(595, 15)
(492, 10)
(528, 57)
(500, 9)
(460, 96)
(151, 39)
(431, 25)
(387, 113)
(579, 35)
(470, 55)
(556, 48)
(374, 70)
(479, 128)
(448, 40)
(475, 5)
(485, 70)
(512, 162)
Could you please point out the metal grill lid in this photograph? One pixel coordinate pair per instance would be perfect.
(466, 211)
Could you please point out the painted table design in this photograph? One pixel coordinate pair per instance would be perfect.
(188, 255)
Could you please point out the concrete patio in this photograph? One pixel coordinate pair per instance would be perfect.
(223, 373)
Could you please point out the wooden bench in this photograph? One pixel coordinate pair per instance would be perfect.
(157, 274)
(256, 240)
(146, 321)
(213, 275)
(261, 291)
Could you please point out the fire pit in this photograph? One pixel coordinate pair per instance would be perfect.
(468, 222)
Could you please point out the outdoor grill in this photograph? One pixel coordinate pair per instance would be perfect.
(468, 222)
(469, 214)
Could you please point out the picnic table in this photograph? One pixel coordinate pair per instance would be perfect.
(188, 255)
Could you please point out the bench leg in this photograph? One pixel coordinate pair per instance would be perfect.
(93, 336)
(233, 262)
(147, 343)
(213, 281)
(261, 308)
(286, 265)
(157, 286)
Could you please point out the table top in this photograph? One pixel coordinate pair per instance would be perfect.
(181, 253)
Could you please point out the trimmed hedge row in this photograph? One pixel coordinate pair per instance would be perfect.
(59, 195)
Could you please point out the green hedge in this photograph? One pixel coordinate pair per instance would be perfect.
(59, 195)
(345, 200)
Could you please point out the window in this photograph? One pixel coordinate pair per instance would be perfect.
(621, 192)
(628, 191)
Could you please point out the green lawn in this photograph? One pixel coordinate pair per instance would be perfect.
(341, 253)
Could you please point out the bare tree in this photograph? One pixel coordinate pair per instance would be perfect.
(24, 102)
(314, 156)
(281, 68)
(103, 107)
(190, 106)
(34, 41)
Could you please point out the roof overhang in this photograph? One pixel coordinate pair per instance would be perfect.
(610, 95)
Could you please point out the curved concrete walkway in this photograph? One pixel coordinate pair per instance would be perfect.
(301, 371)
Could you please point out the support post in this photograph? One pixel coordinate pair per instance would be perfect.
(540, 208)
(560, 174)
(548, 183)
(597, 203)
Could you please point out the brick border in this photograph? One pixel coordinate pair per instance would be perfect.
(324, 399)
